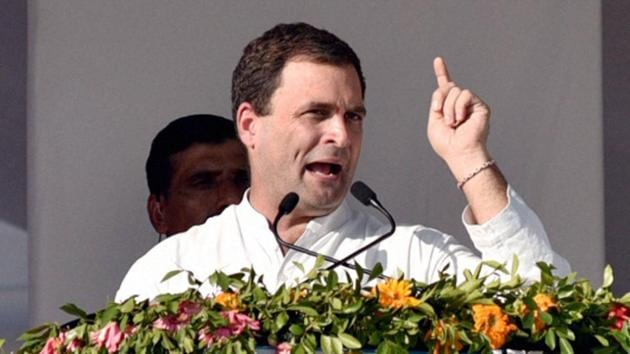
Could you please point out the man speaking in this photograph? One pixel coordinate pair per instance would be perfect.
(298, 103)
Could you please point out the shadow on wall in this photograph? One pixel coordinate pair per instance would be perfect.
(13, 282)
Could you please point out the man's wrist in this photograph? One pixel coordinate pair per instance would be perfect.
(463, 165)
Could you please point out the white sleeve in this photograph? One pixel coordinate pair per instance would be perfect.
(516, 230)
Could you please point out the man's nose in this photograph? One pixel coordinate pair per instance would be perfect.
(337, 131)
(229, 194)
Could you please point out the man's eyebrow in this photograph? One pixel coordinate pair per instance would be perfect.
(328, 106)
(206, 173)
(358, 109)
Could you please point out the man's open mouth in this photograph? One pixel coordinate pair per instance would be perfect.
(324, 168)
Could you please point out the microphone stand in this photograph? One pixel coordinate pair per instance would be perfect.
(366, 196)
(288, 203)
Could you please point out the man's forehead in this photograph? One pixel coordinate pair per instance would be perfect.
(207, 154)
(300, 76)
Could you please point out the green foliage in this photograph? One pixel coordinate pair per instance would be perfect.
(324, 311)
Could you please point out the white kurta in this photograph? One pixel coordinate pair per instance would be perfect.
(241, 237)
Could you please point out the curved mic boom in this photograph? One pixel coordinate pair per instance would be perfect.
(367, 196)
(286, 206)
(288, 203)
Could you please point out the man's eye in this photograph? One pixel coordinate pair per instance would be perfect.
(204, 183)
(354, 116)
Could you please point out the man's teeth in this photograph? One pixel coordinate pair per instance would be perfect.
(326, 169)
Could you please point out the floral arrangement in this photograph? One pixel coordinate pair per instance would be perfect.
(393, 316)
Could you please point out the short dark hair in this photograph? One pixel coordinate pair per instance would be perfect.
(178, 136)
(257, 74)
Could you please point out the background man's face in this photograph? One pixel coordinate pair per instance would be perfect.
(206, 179)
(311, 141)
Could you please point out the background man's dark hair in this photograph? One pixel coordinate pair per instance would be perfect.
(178, 136)
(257, 74)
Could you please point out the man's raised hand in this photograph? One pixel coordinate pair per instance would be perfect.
(458, 123)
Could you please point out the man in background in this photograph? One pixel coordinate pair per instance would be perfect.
(195, 169)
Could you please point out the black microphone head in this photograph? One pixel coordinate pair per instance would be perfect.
(362, 192)
(288, 203)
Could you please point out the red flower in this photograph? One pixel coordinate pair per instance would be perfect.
(620, 314)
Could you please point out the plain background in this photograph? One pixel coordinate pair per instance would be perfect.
(103, 77)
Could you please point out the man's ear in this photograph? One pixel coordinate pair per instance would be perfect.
(156, 214)
(246, 119)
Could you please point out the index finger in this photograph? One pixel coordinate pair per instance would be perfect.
(441, 72)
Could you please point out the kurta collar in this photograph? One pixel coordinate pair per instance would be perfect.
(254, 222)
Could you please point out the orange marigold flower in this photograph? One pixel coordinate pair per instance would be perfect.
(228, 300)
(494, 323)
(544, 303)
(395, 294)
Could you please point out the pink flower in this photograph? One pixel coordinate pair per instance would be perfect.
(208, 337)
(173, 323)
(283, 348)
(168, 323)
(239, 322)
(111, 337)
(53, 345)
(75, 345)
(187, 309)
(205, 337)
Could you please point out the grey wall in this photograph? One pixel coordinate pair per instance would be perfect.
(13, 237)
(104, 76)
(616, 95)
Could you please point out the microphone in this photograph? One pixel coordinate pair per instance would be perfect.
(286, 206)
(367, 196)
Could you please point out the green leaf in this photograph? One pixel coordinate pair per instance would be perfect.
(515, 264)
(353, 308)
(171, 274)
(546, 317)
(2, 341)
(495, 265)
(337, 345)
(109, 314)
(602, 340)
(188, 344)
(625, 299)
(74, 310)
(565, 346)
(359, 271)
(326, 344)
(389, 347)
(281, 319)
(296, 329)
(349, 341)
(336, 304)
(39, 329)
(299, 349)
(299, 266)
(608, 276)
(128, 305)
(304, 309)
(376, 271)
(550, 339)
(426, 309)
